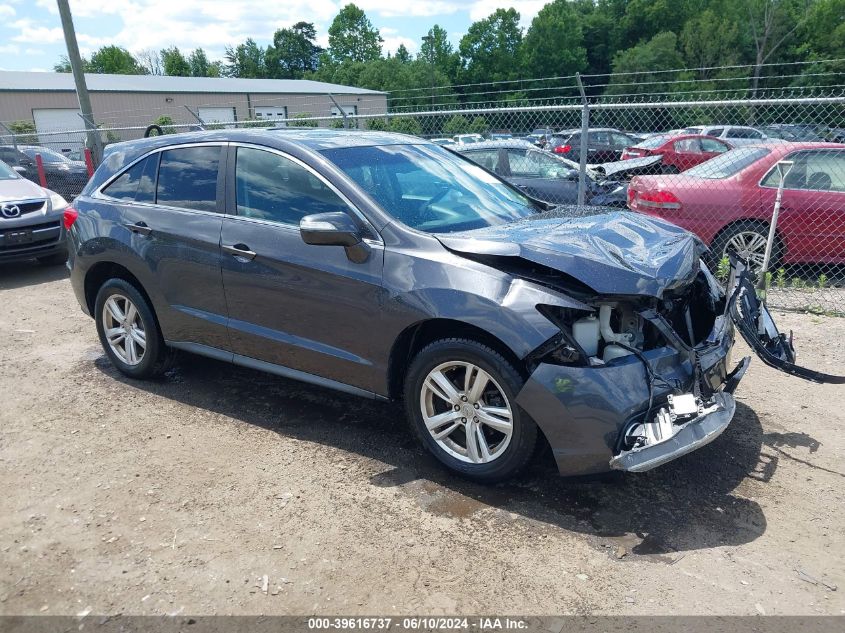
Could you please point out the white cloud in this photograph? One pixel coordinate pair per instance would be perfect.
(481, 9)
(10, 49)
(394, 9)
(393, 42)
(29, 31)
(7, 11)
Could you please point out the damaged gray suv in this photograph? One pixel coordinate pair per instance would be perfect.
(389, 267)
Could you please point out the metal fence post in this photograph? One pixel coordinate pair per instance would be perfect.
(197, 117)
(341, 109)
(582, 152)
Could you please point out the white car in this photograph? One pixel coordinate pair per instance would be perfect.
(30, 220)
(466, 139)
(733, 134)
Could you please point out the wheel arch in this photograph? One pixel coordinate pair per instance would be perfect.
(101, 272)
(758, 221)
(416, 336)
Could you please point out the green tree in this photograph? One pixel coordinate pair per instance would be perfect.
(353, 37)
(201, 67)
(635, 68)
(771, 25)
(246, 60)
(24, 131)
(174, 62)
(490, 49)
(457, 124)
(709, 40)
(294, 52)
(405, 125)
(297, 122)
(379, 125)
(554, 43)
(113, 60)
(436, 49)
(402, 55)
(478, 125)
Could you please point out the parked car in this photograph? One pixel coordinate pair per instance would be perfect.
(20, 162)
(679, 153)
(603, 144)
(388, 267)
(63, 174)
(500, 136)
(728, 202)
(540, 136)
(442, 141)
(543, 175)
(736, 135)
(30, 220)
(790, 132)
(466, 139)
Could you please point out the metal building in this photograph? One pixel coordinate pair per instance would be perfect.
(126, 101)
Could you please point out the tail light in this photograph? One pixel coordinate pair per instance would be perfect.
(563, 149)
(654, 200)
(69, 217)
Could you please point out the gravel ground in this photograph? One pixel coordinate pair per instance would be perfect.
(222, 490)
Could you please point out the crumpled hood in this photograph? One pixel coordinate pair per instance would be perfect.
(620, 253)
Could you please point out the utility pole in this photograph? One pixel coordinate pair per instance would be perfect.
(94, 143)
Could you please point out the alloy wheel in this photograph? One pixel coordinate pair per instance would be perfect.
(750, 246)
(124, 329)
(466, 412)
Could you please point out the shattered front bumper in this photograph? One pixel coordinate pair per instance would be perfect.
(587, 412)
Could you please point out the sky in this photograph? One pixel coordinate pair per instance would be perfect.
(31, 35)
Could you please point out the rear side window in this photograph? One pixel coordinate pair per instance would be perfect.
(272, 187)
(187, 178)
(728, 164)
(137, 183)
(716, 131)
(688, 146)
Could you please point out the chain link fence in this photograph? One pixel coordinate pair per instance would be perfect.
(713, 163)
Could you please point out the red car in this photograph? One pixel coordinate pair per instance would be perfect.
(679, 152)
(728, 202)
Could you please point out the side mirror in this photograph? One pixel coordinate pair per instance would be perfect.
(19, 169)
(335, 228)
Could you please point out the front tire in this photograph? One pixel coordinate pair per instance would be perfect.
(460, 397)
(129, 331)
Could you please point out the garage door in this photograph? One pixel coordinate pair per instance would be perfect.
(51, 120)
(271, 112)
(217, 115)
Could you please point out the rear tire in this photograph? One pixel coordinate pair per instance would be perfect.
(747, 238)
(491, 438)
(129, 331)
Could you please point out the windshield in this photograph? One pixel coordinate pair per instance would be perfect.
(47, 155)
(429, 188)
(728, 164)
(7, 173)
(653, 142)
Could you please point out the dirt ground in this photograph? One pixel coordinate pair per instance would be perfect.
(182, 496)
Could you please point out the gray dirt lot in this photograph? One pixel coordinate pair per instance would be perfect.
(179, 496)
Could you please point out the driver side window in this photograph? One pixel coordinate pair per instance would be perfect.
(272, 187)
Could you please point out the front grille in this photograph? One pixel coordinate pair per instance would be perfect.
(26, 207)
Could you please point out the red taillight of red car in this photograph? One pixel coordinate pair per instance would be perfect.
(69, 217)
(632, 152)
(653, 201)
(562, 149)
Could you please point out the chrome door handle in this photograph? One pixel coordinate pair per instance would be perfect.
(140, 228)
(239, 251)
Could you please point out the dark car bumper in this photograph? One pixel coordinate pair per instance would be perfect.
(41, 239)
(587, 412)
